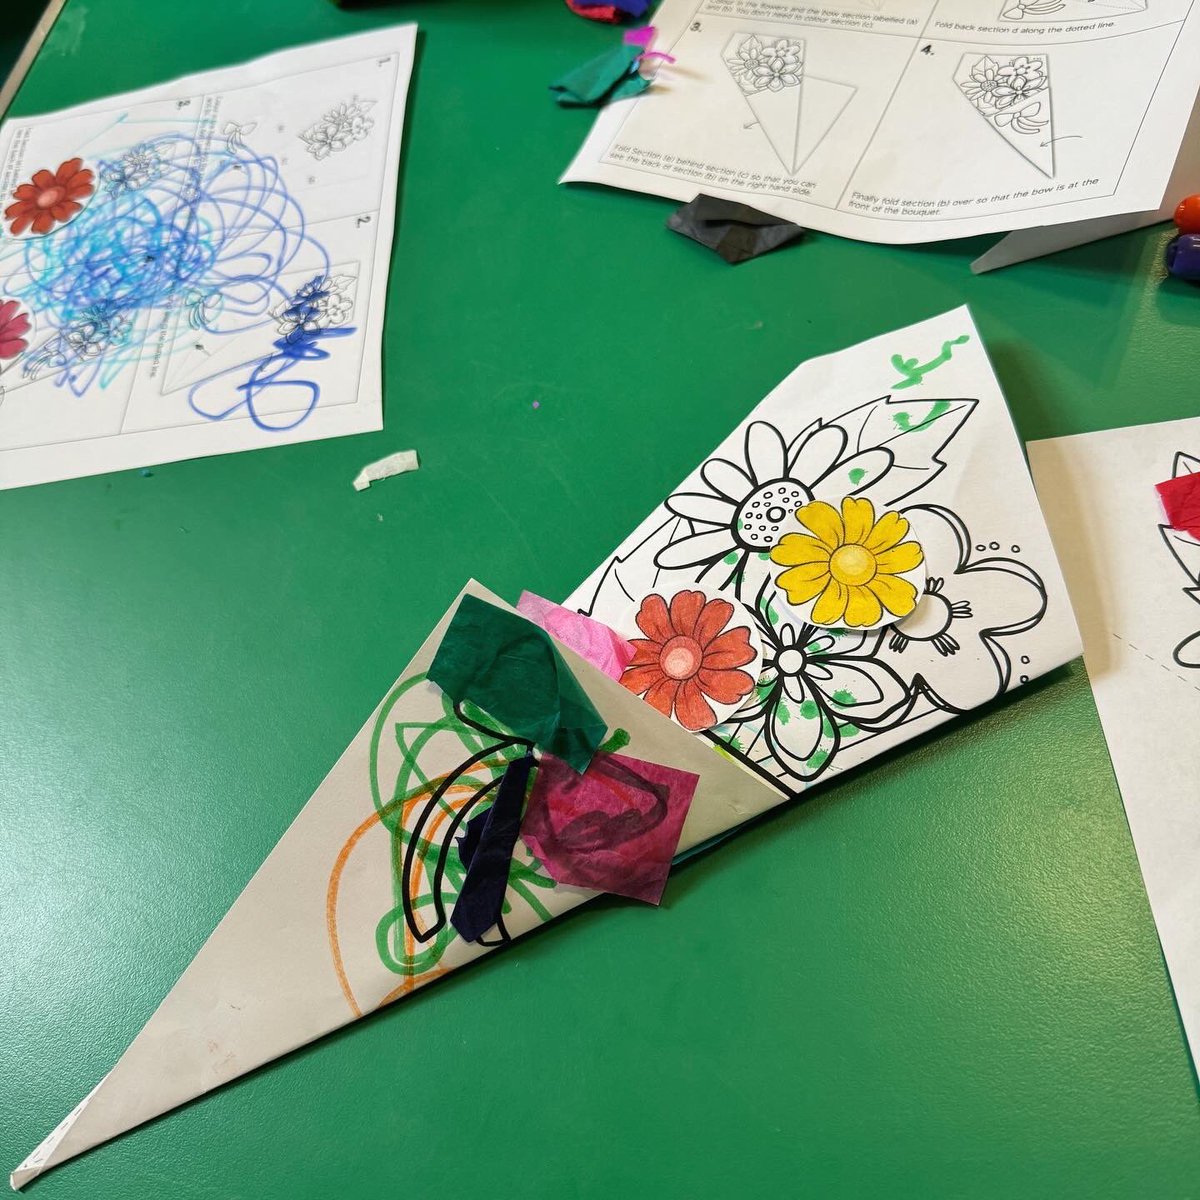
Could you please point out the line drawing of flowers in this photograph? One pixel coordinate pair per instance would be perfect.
(816, 688)
(1005, 91)
(877, 450)
(98, 329)
(769, 64)
(689, 657)
(823, 694)
(339, 128)
(750, 53)
(851, 564)
(321, 303)
(750, 500)
(14, 328)
(50, 198)
(962, 619)
(133, 170)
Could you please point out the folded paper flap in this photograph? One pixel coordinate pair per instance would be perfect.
(280, 969)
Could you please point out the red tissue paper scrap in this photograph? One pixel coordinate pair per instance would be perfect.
(615, 828)
(1181, 501)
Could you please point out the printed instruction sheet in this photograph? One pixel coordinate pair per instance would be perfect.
(910, 120)
(200, 267)
(1135, 586)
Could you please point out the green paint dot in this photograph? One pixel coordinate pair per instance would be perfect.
(938, 409)
(827, 727)
(844, 698)
(782, 713)
(764, 555)
(857, 475)
(731, 558)
(808, 710)
(849, 731)
(818, 759)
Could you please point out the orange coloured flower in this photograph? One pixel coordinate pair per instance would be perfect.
(51, 198)
(688, 658)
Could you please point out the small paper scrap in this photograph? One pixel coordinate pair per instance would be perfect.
(395, 464)
(615, 828)
(601, 646)
(735, 231)
(610, 76)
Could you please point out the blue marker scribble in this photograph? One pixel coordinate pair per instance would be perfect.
(180, 228)
(317, 311)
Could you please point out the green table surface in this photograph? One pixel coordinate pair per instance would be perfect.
(938, 977)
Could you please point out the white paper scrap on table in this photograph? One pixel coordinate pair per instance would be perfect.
(234, 286)
(915, 422)
(1024, 244)
(1135, 584)
(385, 468)
(911, 123)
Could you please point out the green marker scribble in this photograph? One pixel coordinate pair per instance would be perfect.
(617, 741)
(434, 860)
(913, 372)
(938, 409)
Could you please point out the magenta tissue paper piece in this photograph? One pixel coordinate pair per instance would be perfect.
(615, 828)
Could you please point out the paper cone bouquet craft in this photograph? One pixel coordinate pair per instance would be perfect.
(860, 560)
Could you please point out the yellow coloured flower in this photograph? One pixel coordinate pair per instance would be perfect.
(852, 563)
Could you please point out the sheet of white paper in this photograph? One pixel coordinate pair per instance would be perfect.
(910, 120)
(222, 287)
(1024, 244)
(350, 910)
(913, 421)
(1135, 584)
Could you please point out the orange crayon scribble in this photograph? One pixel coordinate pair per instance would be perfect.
(458, 791)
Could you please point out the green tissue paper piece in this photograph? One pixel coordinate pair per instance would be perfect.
(611, 76)
(510, 668)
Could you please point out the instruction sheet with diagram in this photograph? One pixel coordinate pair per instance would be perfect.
(909, 120)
